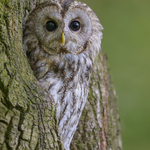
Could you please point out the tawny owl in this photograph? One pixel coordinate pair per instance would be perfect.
(62, 38)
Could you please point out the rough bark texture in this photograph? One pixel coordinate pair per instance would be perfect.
(27, 119)
(27, 112)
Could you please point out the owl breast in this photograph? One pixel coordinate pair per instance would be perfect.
(66, 77)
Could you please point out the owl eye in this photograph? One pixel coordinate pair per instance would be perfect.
(75, 25)
(51, 26)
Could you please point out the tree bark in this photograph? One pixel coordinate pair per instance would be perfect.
(27, 112)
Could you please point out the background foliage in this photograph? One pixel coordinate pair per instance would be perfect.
(127, 44)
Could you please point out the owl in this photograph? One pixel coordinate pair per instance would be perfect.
(62, 38)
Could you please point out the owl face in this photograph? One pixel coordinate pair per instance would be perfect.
(61, 28)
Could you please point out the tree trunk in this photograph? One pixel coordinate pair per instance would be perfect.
(27, 112)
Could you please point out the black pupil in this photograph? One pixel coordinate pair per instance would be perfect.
(51, 26)
(75, 25)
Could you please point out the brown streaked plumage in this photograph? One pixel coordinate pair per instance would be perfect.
(63, 69)
(65, 5)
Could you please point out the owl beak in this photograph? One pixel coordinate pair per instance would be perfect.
(63, 38)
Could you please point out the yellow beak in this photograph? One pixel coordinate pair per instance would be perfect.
(63, 38)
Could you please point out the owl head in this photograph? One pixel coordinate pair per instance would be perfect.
(63, 27)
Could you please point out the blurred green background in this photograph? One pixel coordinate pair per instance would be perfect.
(126, 41)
